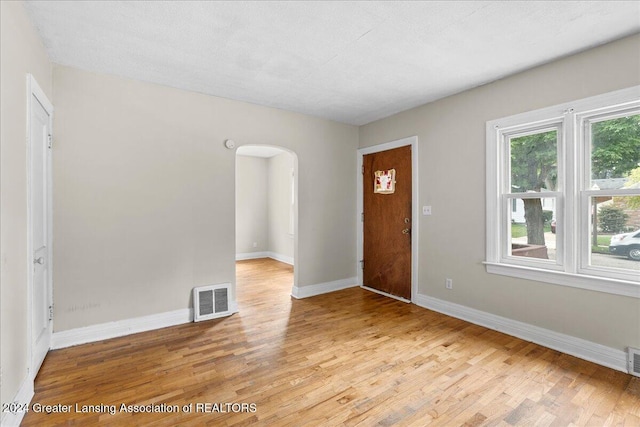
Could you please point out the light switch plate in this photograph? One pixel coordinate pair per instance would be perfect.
(426, 210)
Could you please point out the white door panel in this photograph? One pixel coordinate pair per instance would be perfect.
(40, 213)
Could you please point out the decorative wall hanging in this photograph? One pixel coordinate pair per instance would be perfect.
(385, 182)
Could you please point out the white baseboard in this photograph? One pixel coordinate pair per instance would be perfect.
(323, 288)
(23, 397)
(255, 255)
(578, 347)
(120, 328)
(251, 255)
(281, 258)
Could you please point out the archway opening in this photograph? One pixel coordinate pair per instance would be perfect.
(267, 205)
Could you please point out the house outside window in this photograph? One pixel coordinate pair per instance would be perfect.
(563, 194)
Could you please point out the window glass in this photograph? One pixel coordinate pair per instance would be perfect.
(534, 162)
(615, 242)
(615, 151)
(530, 233)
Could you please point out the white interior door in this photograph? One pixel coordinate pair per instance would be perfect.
(40, 111)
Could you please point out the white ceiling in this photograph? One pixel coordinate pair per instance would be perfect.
(353, 62)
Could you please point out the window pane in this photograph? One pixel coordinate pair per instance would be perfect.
(534, 162)
(533, 228)
(615, 152)
(615, 242)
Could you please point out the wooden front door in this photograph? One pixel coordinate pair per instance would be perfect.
(387, 223)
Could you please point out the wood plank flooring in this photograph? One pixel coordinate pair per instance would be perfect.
(350, 358)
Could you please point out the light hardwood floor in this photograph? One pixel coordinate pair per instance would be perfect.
(347, 358)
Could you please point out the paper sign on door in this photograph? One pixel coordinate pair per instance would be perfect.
(385, 182)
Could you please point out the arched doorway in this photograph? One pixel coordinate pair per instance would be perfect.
(267, 204)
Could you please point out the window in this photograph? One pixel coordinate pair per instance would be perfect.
(563, 194)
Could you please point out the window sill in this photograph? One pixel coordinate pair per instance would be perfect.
(592, 283)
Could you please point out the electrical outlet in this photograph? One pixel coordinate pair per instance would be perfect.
(448, 283)
(255, 244)
(426, 210)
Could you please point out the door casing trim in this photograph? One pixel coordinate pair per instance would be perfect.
(415, 209)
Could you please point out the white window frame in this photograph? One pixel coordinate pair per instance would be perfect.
(571, 267)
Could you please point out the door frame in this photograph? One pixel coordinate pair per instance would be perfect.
(34, 90)
(295, 210)
(415, 211)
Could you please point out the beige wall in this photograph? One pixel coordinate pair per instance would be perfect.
(144, 193)
(263, 201)
(451, 135)
(144, 206)
(251, 204)
(21, 52)
(279, 204)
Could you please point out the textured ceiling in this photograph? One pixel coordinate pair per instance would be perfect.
(353, 62)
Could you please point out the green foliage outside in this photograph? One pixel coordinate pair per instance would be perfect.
(603, 245)
(534, 168)
(612, 219)
(634, 179)
(520, 230)
(600, 250)
(616, 147)
(534, 162)
(615, 153)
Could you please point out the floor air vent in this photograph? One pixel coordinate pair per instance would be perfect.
(634, 361)
(210, 302)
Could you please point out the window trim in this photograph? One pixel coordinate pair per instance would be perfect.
(571, 267)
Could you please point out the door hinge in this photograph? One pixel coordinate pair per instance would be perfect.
(362, 264)
(362, 169)
(50, 141)
(362, 217)
(51, 312)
